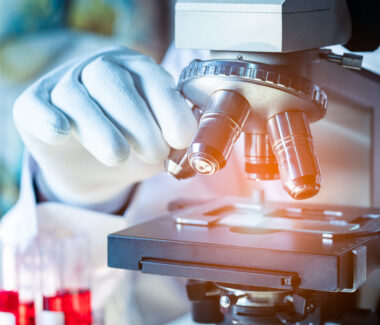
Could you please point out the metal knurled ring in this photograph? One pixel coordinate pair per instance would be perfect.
(256, 73)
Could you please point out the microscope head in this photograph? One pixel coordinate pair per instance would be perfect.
(257, 83)
(261, 26)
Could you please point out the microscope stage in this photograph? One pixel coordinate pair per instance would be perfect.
(276, 245)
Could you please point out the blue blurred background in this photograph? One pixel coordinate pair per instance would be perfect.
(37, 35)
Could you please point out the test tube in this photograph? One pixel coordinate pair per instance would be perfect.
(51, 281)
(28, 261)
(66, 279)
(9, 300)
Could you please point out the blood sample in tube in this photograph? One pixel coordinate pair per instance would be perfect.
(9, 302)
(76, 306)
(27, 314)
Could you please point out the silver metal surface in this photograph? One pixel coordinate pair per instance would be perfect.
(258, 297)
(241, 213)
(347, 60)
(293, 59)
(269, 91)
(197, 220)
(225, 301)
(292, 145)
(177, 164)
(359, 276)
(360, 266)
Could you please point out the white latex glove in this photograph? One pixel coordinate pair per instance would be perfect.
(99, 124)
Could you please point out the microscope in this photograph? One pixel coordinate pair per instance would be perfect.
(268, 78)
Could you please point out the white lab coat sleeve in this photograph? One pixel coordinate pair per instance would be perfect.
(116, 203)
(20, 223)
(23, 216)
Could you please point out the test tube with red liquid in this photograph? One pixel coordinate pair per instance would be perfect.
(66, 280)
(9, 300)
(28, 261)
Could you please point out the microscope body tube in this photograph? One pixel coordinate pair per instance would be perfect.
(292, 144)
(219, 128)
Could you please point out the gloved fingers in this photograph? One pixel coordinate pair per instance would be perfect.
(169, 107)
(112, 86)
(89, 124)
(35, 115)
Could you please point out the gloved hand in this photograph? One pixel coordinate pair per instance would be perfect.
(99, 124)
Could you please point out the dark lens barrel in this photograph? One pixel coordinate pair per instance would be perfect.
(260, 162)
(292, 144)
(219, 128)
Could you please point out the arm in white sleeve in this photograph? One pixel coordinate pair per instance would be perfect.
(20, 223)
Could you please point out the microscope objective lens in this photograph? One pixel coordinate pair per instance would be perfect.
(219, 128)
(292, 145)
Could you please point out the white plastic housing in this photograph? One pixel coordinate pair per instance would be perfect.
(261, 25)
